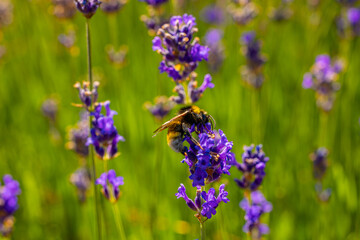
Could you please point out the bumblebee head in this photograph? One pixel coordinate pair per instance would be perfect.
(207, 118)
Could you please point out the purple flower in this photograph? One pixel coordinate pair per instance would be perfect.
(8, 203)
(216, 54)
(252, 48)
(180, 99)
(67, 40)
(320, 163)
(81, 180)
(196, 93)
(253, 212)
(243, 12)
(87, 96)
(161, 108)
(49, 109)
(154, 21)
(181, 51)
(110, 183)
(117, 57)
(78, 136)
(154, 2)
(112, 6)
(213, 159)
(212, 14)
(104, 135)
(322, 194)
(353, 16)
(323, 79)
(252, 73)
(211, 201)
(87, 7)
(252, 166)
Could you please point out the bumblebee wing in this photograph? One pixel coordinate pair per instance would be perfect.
(168, 123)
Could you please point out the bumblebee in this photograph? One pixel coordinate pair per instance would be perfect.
(180, 125)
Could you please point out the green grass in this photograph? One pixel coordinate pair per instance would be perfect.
(37, 66)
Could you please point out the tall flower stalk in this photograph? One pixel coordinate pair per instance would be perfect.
(323, 79)
(254, 203)
(253, 75)
(208, 152)
(88, 9)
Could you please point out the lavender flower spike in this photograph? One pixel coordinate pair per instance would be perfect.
(353, 16)
(253, 167)
(87, 96)
(254, 211)
(110, 183)
(87, 7)
(104, 135)
(81, 180)
(181, 51)
(252, 71)
(211, 201)
(323, 79)
(214, 159)
(8, 204)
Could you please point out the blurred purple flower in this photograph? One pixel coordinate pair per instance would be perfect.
(154, 3)
(252, 73)
(78, 136)
(110, 183)
(323, 79)
(322, 194)
(216, 48)
(67, 40)
(242, 11)
(81, 179)
(117, 57)
(252, 166)
(180, 50)
(104, 135)
(353, 16)
(213, 159)
(112, 6)
(49, 109)
(8, 204)
(87, 7)
(211, 201)
(320, 163)
(161, 108)
(213, 14)
(254, 211)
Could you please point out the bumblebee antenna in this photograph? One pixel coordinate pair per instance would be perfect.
(213, 122)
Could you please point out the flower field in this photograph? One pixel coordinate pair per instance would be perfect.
(181, 119)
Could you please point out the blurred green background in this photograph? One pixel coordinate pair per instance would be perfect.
(36, 67)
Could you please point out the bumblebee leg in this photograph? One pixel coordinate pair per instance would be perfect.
(187, 131)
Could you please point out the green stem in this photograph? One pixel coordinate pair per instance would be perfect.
(323, 129)
(118, 221)
(255, 115)
(92, 152)
(202, 231)
(88, 44)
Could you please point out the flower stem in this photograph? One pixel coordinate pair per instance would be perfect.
(118, 221)
(255, 116)
(202, 231)
(92, 153)
(88, 44)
